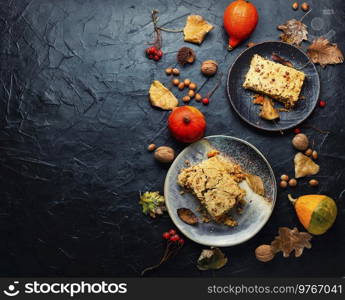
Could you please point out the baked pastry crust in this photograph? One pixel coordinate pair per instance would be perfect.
(274, 80)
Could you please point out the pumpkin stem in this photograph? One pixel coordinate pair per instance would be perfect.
(229, 48)
(186, 119)
(233, 42)
(292, 200)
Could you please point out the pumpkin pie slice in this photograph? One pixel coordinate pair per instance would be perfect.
(214, 182)
(275, 80)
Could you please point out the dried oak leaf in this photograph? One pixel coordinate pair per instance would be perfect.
(211, 259)
(304, 166)
(294, 32)
(268, 111)
(196, 29)
(322, 52)
(187, 216)
(162, 97)
(256, 184)
(290, 240)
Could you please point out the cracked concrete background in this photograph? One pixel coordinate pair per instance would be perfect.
(75, 123)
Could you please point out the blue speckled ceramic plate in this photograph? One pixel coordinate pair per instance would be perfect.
(255, 214)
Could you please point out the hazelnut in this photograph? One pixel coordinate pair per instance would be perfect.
(313, 182)
(305, 6)
(187, 82)
(151, 147)
(168, 71)
(284, 177)
(308, 152)
(209, 67)
(181, 86)
(251, 44)
(283, 184)
(175, 82)
(193, 86)
(191, 93)
(186, 99)
(292, 182)
(314, 154)
(295, 6)
(264, 253)
(198, 97)
(176, 71)
(300, 141)
(164, 154)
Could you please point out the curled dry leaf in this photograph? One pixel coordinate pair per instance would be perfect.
(256, 184)
(162, 97)
(294, 32)
(196, 29)
(279, 59)
(322, 52)
(211, 259)
(268, 111)
(290, 240)
(185, 55)
(304, 166)
(187, 216)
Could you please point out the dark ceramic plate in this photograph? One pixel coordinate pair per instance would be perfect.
(255, 214)
(241, 98)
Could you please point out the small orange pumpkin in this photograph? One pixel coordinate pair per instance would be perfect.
(187, 124)
(240, 20)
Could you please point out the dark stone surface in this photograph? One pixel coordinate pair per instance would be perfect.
(75, 123)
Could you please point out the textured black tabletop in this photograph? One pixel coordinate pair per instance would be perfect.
(76, 121)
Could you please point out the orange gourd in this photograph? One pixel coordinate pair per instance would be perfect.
(240, 20)
(317, 213)
(187, 124)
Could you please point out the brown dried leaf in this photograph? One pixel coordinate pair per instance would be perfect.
(294, 32)
(322, 52)
(279, 59)
(305, 166)
(185, 55)
(290, 240)
(162, 97)
(196, 29)
(256, 184)
(268, 111)
(187, 216)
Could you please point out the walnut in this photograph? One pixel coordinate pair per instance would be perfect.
(164, 154)
(264, 253)
(300, 142)
(209, 67)
(185, 55)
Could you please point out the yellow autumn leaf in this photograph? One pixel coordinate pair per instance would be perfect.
(162, 97)
(196, 29)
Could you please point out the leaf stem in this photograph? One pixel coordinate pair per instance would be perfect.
(301, 19)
